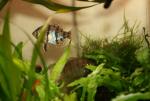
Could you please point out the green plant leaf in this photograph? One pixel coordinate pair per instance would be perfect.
(5, 42)
(3, 95)
(143, 56)
(107, 3)
(91, 67)
(99, 1)
(89, 84)
(70, 97)
(23, 66)
(3, 3)
(57, 69)
(101, 76)
(40, 91)
(18, 50)
(56, 6)
(35, 54)
(54, 89)
(133, 97)
(10, 75)
(138, 80)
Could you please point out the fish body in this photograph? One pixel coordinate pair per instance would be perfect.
(54, 35)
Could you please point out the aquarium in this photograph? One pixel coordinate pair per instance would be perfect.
(74, 50)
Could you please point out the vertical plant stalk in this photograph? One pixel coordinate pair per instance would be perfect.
(148, 15)
(75, 25)
(146, 37)
(146, 34)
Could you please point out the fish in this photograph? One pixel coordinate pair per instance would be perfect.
(54, 35)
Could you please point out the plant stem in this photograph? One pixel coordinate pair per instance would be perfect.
(75, 24)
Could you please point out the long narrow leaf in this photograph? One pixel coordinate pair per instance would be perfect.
(35, 54)
(133, 97)
(18, 50)
(99, 1)
(9, 73)
(3, 3)
(5, 38)
(107, 3)
(57, 69)
(56, 6)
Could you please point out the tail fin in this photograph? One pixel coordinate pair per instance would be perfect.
(36, 32)
(67, 35)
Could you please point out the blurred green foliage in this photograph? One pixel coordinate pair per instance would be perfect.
(18, 79)
(10, 75)
(3, 3)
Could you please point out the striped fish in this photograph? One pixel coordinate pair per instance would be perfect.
(54, 35)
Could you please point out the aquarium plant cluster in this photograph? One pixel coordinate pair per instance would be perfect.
(118, 70)
(114, 69)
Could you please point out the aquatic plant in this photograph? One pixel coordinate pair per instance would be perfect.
(121, 68)
(59, 8)
(105, 77)
(117, 69)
